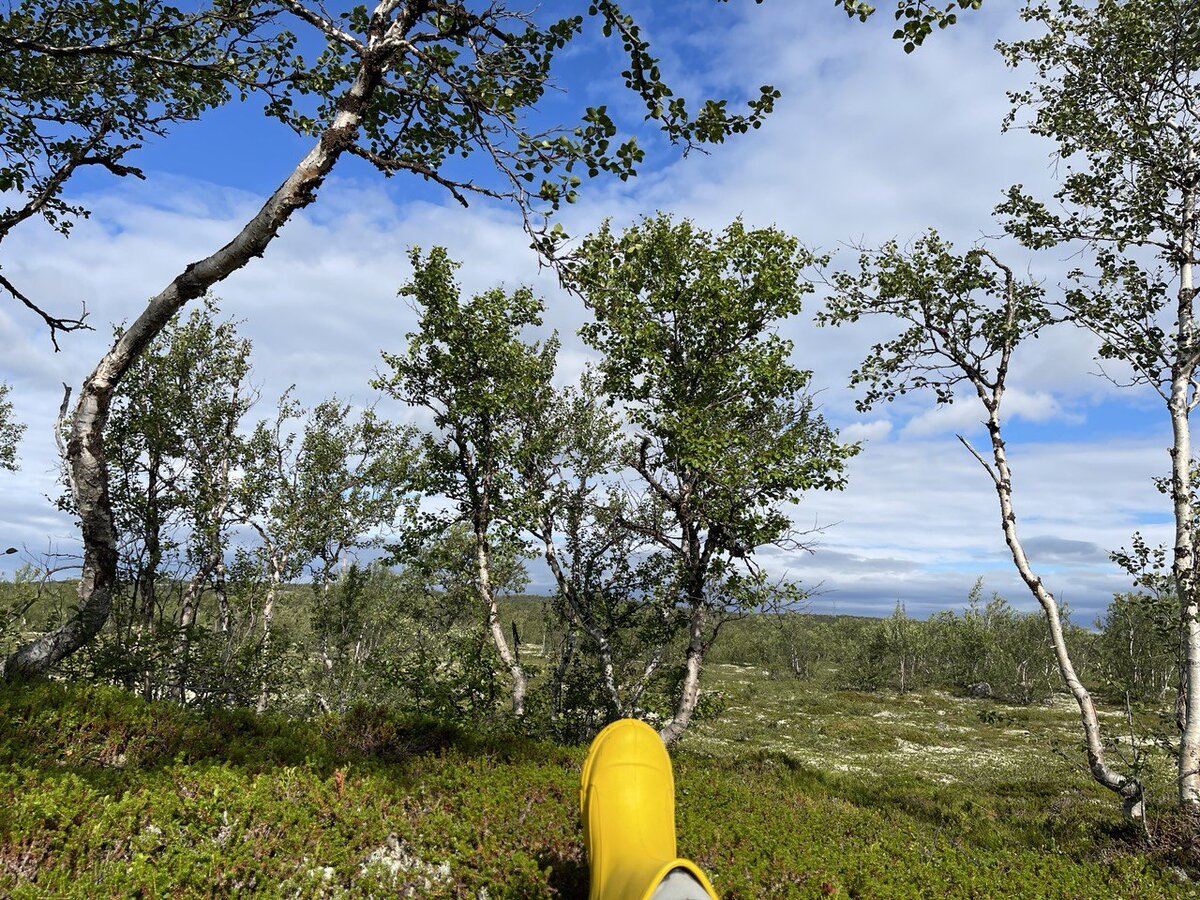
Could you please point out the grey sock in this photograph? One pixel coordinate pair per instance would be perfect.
(680, 885)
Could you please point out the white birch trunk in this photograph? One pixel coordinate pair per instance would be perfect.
(221, 626)
(1184, 560)
(690, 689)
(488, 599)
(1129, 789)
(85, 447)
(278, 565)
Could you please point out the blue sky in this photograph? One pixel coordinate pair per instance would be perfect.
(867, 144)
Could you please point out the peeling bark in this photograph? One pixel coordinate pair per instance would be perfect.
(696, 557)
(690, 687)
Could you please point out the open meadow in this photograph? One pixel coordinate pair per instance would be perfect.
(793, 789)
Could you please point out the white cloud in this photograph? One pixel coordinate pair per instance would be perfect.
(875, 430)
(966, 413)
(928, 502)
(946, 417)
(1037, 406)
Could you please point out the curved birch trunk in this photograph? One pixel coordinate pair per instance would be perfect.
(85, 447)
(1128, 789)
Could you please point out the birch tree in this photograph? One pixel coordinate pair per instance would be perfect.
(611, 599)
(410, 86)
(1117, 89)
(1139, 646)
(85, 84)
(446, 652)
(10, 431)
(214, 496)
(483, 384)
(316, 491)
(994, 650)
(961, 317)
(685, 324)
(174, 435)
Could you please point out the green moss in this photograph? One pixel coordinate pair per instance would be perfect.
(102, 794)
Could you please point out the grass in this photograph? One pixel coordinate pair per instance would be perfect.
(794, 791)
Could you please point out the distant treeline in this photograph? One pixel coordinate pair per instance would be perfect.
(410, 639)
(988, 649)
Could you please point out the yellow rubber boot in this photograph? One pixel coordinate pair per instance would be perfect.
(627, 799)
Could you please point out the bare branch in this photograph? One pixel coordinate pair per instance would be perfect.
(393, 164)
(983, 462)
(53, 322)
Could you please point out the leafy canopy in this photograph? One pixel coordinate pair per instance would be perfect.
(10, 431)
(86, 83)
(686, 323)
(468, 364)
(173, 425)
(1118, 91)
(329, 486)
(429, 84)
(960, 315)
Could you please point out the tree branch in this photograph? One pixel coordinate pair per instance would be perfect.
(53, 322)
(330, 30)
(983, 462)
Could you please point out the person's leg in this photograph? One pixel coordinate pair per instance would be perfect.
(627, 800)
